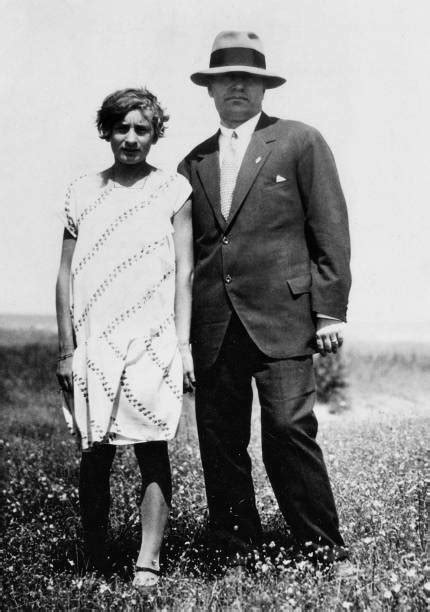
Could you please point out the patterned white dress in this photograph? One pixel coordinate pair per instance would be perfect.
(127, 370)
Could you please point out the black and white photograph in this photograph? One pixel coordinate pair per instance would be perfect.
(215, 305)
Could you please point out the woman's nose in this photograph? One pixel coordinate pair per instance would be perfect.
(131, 137)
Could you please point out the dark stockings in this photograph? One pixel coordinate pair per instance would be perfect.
(94, 493)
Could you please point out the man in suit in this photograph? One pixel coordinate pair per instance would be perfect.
(271, 286)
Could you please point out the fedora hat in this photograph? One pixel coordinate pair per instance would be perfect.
(237, 52)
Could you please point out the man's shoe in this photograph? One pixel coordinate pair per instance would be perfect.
(235, 569)
(344, 570)
(239, 564)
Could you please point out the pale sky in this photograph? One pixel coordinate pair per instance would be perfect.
(357, 70)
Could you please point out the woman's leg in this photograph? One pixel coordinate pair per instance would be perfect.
(154, 466)
(94, 498)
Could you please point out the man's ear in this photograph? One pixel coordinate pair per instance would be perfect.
(210, 90)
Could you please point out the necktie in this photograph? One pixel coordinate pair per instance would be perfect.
(229, 172)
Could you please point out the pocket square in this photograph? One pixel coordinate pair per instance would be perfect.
(280, 179)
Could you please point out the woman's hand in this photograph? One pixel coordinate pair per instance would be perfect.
(183, 239)
(189, 379)
(66, 343)
(65, 374)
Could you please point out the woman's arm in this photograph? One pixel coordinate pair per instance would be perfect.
(183, 239)
(66, 343)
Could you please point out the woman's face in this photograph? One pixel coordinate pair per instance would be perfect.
(132, 137)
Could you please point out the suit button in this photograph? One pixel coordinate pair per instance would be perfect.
(228, 279)
(225, 240)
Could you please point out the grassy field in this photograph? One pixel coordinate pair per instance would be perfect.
(375, 452)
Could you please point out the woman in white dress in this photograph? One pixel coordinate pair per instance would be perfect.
(123, 300)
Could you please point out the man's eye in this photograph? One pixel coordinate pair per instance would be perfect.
(121, 129)
(142, 131)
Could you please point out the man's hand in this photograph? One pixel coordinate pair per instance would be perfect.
(329, 335)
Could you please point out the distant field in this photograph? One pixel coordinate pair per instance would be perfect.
(375, 451)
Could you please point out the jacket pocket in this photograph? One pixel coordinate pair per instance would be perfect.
(300, 284)
(274, 186)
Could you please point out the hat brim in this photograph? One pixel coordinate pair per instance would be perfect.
(203, 78)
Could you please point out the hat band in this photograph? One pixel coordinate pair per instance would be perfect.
(237, 56)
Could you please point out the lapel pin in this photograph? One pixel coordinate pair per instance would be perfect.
(258, 160)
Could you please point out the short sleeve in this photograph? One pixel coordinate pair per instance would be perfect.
(182, 193)
(70, 216)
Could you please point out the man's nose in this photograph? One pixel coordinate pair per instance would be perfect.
(239, 83)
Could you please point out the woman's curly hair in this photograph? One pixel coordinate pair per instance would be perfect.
(116, 106)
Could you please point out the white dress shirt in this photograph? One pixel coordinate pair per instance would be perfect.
(243, 132)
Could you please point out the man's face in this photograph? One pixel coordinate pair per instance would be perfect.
(238, 96)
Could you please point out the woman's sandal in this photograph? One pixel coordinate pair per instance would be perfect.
(151, 585)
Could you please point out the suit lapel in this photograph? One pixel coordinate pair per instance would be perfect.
(255, 156)
(209, 173)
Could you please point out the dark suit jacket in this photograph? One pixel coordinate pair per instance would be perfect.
(282, 256)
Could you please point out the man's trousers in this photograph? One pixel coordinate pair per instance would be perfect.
(291, 455)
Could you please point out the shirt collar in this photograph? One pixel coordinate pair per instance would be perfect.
(244, 130)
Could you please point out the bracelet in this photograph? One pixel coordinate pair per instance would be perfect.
(65, 356)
